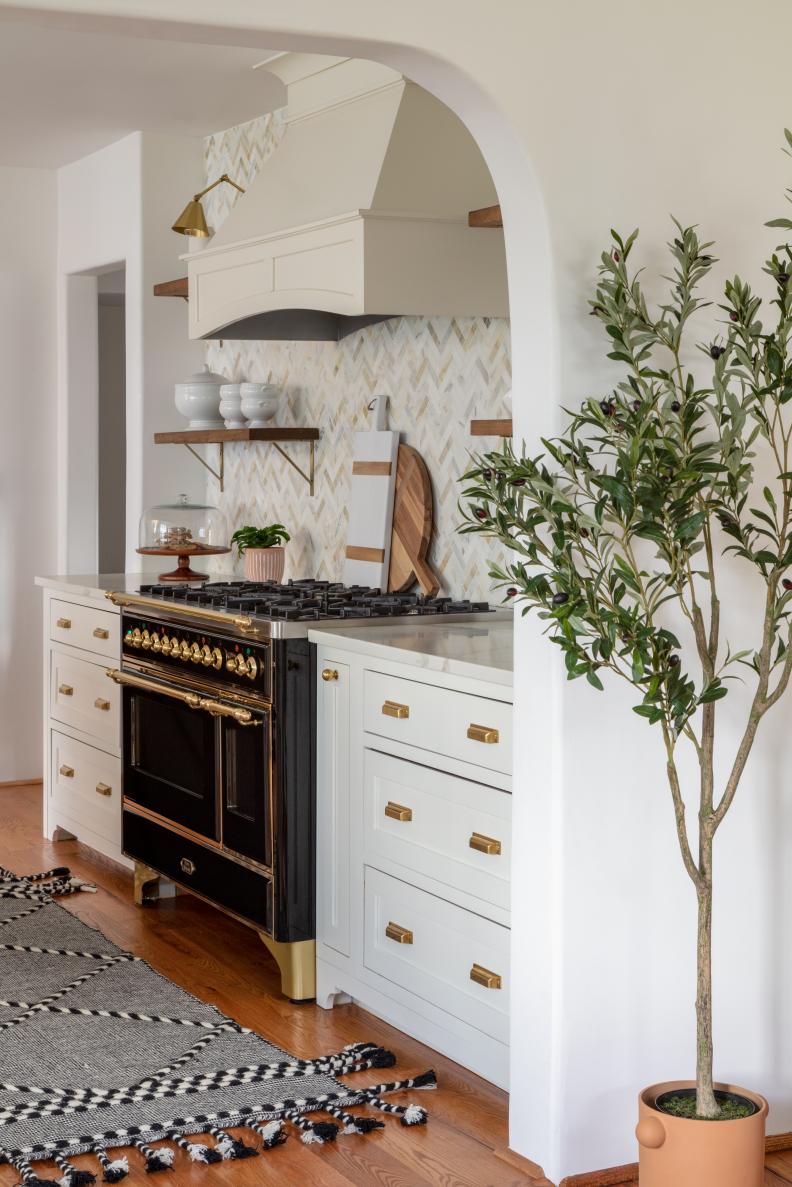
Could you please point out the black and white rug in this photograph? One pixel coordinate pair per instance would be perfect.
(97, 1050)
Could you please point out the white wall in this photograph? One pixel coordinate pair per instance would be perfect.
(594, 115)
(116, 207)
(27, 454)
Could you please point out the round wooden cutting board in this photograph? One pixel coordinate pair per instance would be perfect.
(412, 525)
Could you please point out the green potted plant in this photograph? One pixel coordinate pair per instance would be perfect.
(619, 531)
(263, 551)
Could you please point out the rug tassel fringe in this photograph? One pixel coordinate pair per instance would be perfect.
(160, 1159)
(114, 1169)
(195, 1151)
(317, 1133)
(230, 1147)
(72, 1175)
(29, 1176)
(353, 1124)
(271, 1133)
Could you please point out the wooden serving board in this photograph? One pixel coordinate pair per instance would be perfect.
(412, 525)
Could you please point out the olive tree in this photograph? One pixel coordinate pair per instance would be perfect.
(619, 528)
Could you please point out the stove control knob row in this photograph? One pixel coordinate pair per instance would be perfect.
(241, 665)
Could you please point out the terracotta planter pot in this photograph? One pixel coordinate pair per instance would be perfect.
(689, 1153)
(265, 564)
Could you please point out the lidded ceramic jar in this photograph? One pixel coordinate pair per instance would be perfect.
(198, 398)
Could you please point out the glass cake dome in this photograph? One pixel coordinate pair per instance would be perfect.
(183, 529)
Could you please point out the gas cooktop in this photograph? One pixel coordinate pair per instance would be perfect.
(307, 601)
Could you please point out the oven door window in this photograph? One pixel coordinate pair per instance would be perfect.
(170, 760)
(246, 799)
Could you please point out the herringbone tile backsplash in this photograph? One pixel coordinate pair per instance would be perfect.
(438, 372)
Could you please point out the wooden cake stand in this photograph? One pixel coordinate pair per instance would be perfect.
(185, 553)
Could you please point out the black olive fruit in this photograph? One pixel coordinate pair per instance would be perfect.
(787, 584)
(673, 661)
(607, 407)
(734, 316)
(518, 482)
(486, 475)
(480, 513)
(560, 598)
(716, 351)
(512, 592)
(675, 406)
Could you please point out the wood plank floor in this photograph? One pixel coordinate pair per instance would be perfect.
(778, 1173)
(220, 961)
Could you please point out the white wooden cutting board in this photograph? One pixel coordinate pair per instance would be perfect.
(371, 508)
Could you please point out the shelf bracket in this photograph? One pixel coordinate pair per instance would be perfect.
(309, 477)
(218, 474)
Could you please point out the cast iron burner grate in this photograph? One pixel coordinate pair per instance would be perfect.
(310, 600)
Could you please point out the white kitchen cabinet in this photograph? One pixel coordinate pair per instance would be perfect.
(414, 847)
(332, 809)
(82, 717)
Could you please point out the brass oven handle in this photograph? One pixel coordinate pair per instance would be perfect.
(483, 733)
(239, 620)
(99, 632)
(188, 698)
(104, 789)
(402, 935)
(397, 811)
(484, 844)
(64, 624)
(67, 772)
(242, 716)
(394, 709)
(485, 977)
(186, 866)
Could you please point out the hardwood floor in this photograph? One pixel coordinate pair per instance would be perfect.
(220, 961)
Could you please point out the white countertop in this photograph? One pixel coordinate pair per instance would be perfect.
(481, 650)
(96, 585)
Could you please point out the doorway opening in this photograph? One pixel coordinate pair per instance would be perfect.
(111, 500)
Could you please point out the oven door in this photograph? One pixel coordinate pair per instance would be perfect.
(170, 755)
(200, 763)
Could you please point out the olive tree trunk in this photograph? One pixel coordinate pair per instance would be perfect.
(706, 1104)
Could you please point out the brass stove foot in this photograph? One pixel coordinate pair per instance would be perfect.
(297, 964)
(146, 885)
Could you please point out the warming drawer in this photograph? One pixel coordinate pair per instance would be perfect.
(207, 872)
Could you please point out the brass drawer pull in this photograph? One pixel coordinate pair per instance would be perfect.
(397, 811)
(100, 633)
(64, 624)
(329, 674)
(101, 703)
(402, 935)
(484, 844)
(484, 977)
(67, 772)
(104, 789)
(483, 733)
(186, 866)
(394, 709)
(65, 690)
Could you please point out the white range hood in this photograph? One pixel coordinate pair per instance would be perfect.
(359, 214)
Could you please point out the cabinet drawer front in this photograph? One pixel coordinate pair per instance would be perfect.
(82, 626)
(446, 828)
(445, 944)
(474, 729)
(82, 696)
(85, 784)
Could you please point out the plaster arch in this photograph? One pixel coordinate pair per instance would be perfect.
(410, 40)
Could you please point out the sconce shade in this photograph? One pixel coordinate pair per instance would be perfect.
(192, 221)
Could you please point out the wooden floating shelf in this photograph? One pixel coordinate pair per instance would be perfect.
(277, 434)
(487, 216)
(218, 436)
(491, 428)
(172, 288)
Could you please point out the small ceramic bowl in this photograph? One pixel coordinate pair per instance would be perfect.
(259, 402)
(231, 406)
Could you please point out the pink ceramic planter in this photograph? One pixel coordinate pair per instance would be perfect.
(265, 564)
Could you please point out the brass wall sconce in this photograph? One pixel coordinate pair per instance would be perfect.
(192, 220)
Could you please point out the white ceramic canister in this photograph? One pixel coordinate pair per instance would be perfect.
(198, 398)
(259, 402)
(231, 406)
